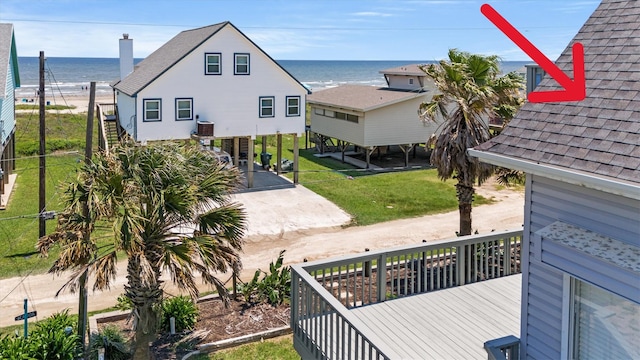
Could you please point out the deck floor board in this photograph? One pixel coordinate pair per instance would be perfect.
(447, 324)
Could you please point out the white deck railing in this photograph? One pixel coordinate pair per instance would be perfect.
(323, 291)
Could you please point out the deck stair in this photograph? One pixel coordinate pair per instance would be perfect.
(111, 129)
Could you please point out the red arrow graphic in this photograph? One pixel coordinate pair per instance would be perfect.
(573, 90)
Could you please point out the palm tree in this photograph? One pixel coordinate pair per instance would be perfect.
(470, 91)
(168, 209)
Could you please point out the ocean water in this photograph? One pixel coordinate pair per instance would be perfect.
(71, 76)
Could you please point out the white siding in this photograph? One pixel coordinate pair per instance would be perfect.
(397, 124)
(337, 128)
(229, 101)
(126, 113)
(550, 201)
(402, 82)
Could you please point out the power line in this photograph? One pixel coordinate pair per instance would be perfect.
(316, 28)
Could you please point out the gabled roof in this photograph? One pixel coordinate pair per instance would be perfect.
(169, 54)
(407, 70)
(598, 137)
(361, 97)
(7, 52)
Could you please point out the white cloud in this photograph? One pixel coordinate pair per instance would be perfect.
(372, 14)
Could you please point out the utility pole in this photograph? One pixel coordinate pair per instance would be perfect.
(42, 197)
(88, 153)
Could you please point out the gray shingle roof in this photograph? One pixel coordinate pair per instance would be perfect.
(409, 70)
(165, 57)
(6, 41)
(171, 53)
(601, 134)
(360, 97)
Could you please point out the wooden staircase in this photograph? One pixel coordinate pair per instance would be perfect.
(110, 131)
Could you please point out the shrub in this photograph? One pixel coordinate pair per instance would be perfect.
(55, 344)
(123, 303)
(183, 309)
(111, 340)
(54, 338)
(56, 322)
(14, 347)
(274, 287)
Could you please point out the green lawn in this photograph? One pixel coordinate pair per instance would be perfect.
(280, 348)
(19, 223)
(372, 197)
(369, 198)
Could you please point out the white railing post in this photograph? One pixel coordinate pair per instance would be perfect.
(382, 277)
(460, 265)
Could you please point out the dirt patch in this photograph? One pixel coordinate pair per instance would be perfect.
(215, 322)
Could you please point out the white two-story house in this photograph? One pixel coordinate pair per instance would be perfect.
(208, 83)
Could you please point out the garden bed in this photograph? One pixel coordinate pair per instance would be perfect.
(215, 323)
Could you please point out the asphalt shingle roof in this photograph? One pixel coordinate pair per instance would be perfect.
(409, 70)
(171, 53)
(360, 97)
(165, 57)
(601, 134)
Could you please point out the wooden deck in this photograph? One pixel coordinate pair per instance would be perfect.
(446, 324)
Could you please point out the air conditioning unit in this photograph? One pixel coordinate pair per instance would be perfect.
(205, 128)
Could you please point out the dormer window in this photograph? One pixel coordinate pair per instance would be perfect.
(241, 64)
(212, 64)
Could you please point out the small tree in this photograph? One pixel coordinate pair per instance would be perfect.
(470, 90)
(168, 208)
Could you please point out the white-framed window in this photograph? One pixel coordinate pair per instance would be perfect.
(410, 81)
(293, 105)
(241, 64)
(152, 109)
(604, 326)
(347, 117)
(212, 64)
(267, 106)
(184, 109)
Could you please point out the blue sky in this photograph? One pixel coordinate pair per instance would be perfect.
(298, 29)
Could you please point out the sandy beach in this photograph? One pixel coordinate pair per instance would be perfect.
(80, 103)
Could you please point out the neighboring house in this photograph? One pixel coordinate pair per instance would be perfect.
(207, 84)
(9, 81)
(534, 75)
(373, 117)
(579, 251)
(581, 242)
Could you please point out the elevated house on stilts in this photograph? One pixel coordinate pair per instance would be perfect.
(359, 119)
(211, 84)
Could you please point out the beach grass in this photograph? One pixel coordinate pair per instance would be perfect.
(64, 131)
(46, 107)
